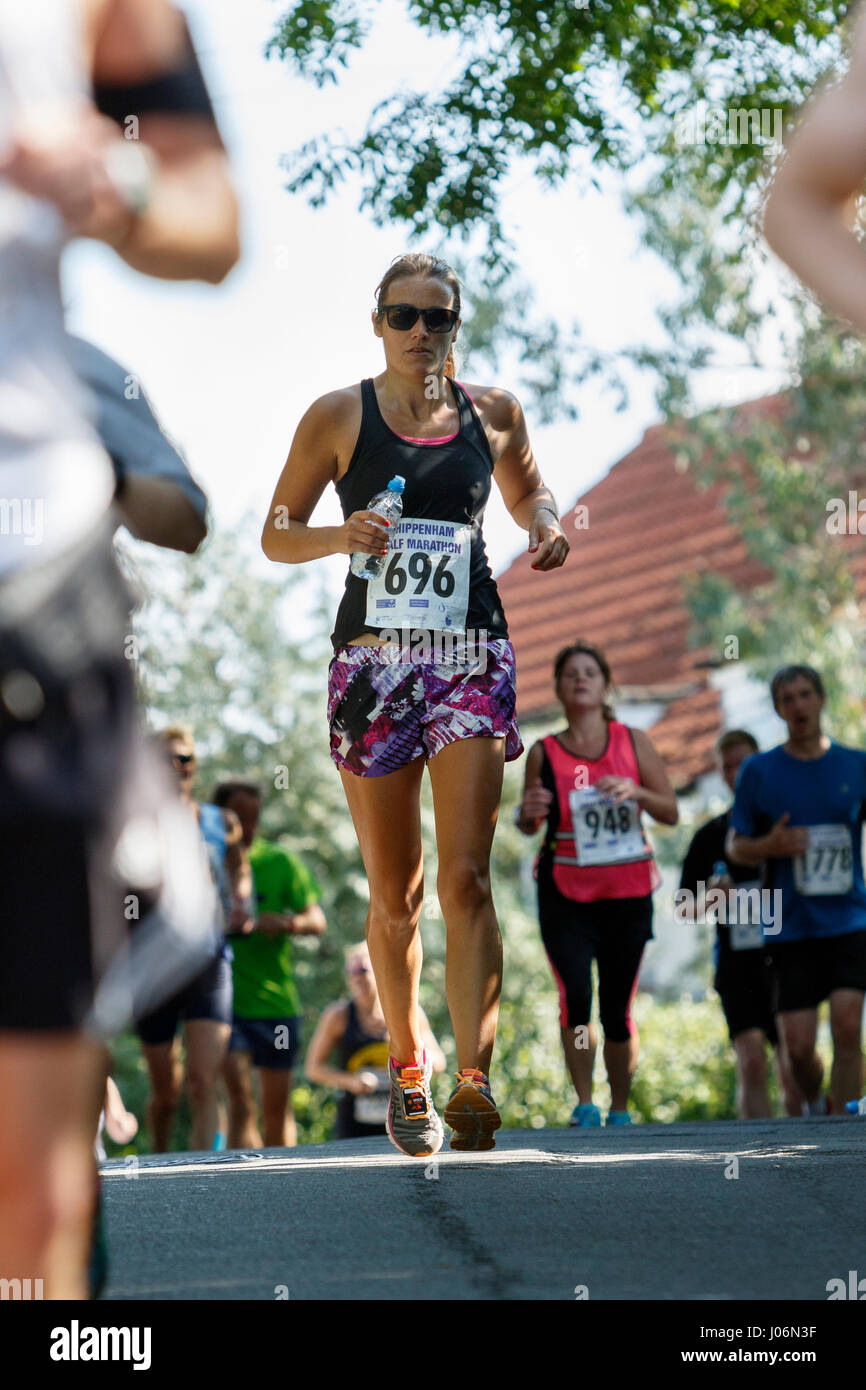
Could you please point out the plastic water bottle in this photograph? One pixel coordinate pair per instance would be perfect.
(856, 1107)
(388, 504)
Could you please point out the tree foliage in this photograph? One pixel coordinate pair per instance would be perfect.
(563, 85)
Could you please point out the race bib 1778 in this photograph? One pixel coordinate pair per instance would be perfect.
(605, 833)
(827, 867)
(424, 581)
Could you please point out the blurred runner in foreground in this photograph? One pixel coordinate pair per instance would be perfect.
(163, 201)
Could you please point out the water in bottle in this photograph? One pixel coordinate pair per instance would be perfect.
(387, 504)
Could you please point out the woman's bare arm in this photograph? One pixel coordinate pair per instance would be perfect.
(325, 436)
(329, 1031)
(515, 472)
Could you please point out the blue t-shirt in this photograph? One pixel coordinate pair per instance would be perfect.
(827, 791)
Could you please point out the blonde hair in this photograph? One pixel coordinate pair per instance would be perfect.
(181, 733)
(416, 263)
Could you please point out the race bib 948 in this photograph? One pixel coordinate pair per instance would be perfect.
(424, 581)
(605, 833)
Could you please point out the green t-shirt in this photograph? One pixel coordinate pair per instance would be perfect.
(263, 969)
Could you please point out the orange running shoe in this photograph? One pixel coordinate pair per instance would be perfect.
(471, 1111)
(412, 1124)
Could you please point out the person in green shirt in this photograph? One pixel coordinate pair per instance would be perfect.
(266, 1016)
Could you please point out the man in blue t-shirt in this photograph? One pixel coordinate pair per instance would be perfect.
(800, 808)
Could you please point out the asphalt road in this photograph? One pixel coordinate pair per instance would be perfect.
(653, 1212)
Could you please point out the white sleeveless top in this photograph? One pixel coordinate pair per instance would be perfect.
(56, 480)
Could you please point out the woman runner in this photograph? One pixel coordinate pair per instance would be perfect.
(391, 709)
(595, 871)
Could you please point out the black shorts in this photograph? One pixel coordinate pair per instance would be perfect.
(807, 972)
(272, 1042)
(615, 932)
(46, 976)
(208, 996)
(744, 981)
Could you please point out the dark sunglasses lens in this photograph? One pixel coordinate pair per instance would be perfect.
(440, 320)
(183, 758)
(401, 317)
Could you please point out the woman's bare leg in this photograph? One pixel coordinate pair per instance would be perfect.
(47, 1167)
(466, 777)
(387, 818)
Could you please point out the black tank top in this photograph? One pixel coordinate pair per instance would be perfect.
(357, 1038)
(447, 481)
(369, 1051)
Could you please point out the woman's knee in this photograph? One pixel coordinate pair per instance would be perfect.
(464, 886)
(393, 913)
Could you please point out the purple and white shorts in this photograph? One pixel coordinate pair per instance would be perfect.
(386, 707)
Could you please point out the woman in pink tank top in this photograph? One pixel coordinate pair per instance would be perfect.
(595, 870)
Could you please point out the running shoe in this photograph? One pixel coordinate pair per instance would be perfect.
(471, 1111)
(618, 1117)
(585, 1116)
(412, 1124)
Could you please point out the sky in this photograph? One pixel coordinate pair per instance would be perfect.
(230, 370)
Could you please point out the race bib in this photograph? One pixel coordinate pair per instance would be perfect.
(424, 581)
(746, 935)
(605, 833)
(372, 1109)
(827, 867)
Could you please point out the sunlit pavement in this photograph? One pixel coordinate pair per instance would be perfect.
(729, 1210)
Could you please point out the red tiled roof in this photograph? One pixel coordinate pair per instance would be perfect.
(650, 527)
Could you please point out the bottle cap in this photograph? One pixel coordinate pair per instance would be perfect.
(397, 484)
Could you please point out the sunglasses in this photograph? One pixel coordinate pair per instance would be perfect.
(183, 758)
(405, 316)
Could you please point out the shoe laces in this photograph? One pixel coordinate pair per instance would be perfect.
(410, 1076)
(473, 1075)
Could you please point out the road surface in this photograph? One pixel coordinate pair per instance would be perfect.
(767, 1210)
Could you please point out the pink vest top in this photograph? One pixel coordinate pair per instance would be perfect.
(587, 883)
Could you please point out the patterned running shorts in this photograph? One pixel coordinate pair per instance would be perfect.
(384, 711)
